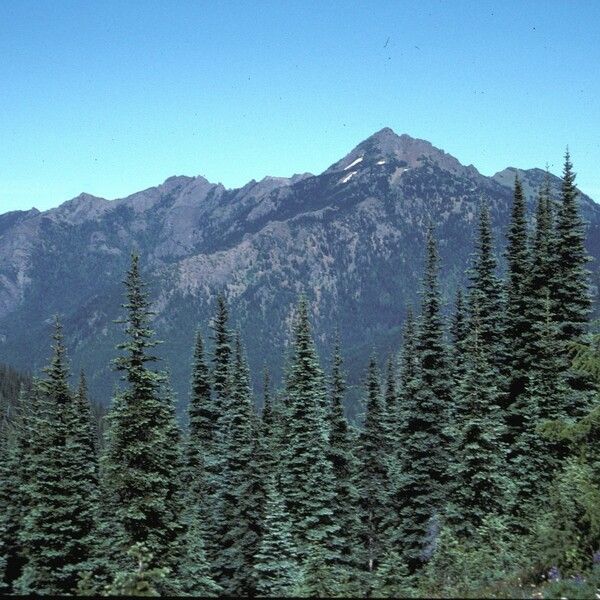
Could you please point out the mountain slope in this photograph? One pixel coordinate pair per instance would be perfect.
(351, 238)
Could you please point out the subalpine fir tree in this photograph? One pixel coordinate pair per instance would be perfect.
(16, 454)
(408, 359)
(391, 407)
(478, 478)
(241, 498)
(485, 290)
(374, 472)
(458, 336)
(57, 529)
(392, 579)
(571, 295)
(276, 564)
(419, 492)
(200, 445)
(195, 572)
(517, 328)
(307, 476)
(340, 453)
(143, 459)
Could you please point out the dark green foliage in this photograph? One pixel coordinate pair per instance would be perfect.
(458, 333)
(485, 289)
(241, 498)
(571, 293)
(392, 578)
(517, 325)
(142, 464)
(141, 579)
(344, 464)
(57, 528)
(276, 564)
(200, 446)
(374, 472)
(419, 491)
(391, 411)
(478, 478)
(307, 478)
(194, 572)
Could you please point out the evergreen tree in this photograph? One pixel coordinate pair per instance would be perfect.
(391, 407)
(195, 572)
(276, 565)
(571, 295)
(200, 447)
(15, 455)
(374, 475)
(344, 465)
(479, 482)
(142, 464)
(518, 300)
(485, 290)
(241, 492)
(419, 492)
(58, 527)
(392, 579)
(307, 477)
(458, 335)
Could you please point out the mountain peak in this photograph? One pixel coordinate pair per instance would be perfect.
(413, 152)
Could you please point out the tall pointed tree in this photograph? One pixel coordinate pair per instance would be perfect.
(307, 477)
(518, 300)
(57, 530)
(485, 290)
(374, 472)
(276, 566)
(572, 295)
(420, 491)
(341, 456)
(143, 457)
(479, 483)
(458, 337)
(241, 498)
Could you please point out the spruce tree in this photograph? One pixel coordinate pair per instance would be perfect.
(276, 564)
(374, 474)
(340, 453)
(307, 477)
(142, 463)
(57, 531)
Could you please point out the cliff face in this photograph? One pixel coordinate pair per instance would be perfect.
(350, 238)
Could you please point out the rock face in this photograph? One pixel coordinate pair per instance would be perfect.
(350, 238)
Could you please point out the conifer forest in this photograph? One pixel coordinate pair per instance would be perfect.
(474, 470)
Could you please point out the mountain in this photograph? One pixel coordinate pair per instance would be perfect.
(350, 238)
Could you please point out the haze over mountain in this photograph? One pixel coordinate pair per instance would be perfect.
(350, 238)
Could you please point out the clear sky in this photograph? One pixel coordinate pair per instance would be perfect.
(110, 97)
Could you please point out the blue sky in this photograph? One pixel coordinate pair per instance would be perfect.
(112, 97)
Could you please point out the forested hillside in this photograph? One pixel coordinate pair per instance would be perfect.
(472, 471)
(350, 238)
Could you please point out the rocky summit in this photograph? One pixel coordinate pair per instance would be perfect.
(350, 238)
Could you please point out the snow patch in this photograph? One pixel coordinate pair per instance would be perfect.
(347, 178)
(355, 162)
